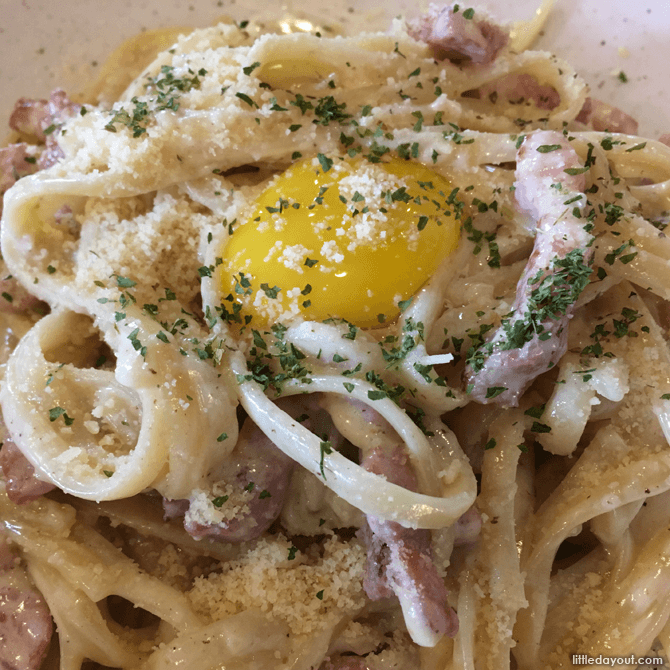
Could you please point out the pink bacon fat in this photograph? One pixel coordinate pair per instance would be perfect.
(532, 338)
(399, 559)
(16, 161)
(457, 34)
(604, 117)
(257, 467)
(468, 528)
(26, 626)
(21, 484)
(14, 298)
(37, 119)
(517, 88)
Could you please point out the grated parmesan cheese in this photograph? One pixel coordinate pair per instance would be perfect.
(265, 579)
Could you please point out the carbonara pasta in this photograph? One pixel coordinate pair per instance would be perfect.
(335, 352)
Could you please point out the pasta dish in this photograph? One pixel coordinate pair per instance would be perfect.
(332, 352)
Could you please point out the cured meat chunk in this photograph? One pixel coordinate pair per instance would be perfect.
(550, 188)
(601, 117)
(518, 88)
(468, 527)
(458, 34)
(14, 298)
(26, 626)
(16, 161)
(20, 482)
(399, 559)
(34, 117)
(254, 484)
(40, 118)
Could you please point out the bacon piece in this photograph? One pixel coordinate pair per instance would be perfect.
(60, 109)
(38, 117)
(51, 155)
(517, 89)
(21, 484)
(30, 117)
(33, 117)
(14, 298)
(13, 164)
(601, 117)
(258, 466)
(468, 527)
(174, 509)
(451, 35)
(345, 663)
(534, 337)
(26, 626)
(399, 559)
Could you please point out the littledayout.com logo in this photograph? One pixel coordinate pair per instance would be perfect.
(585, 659)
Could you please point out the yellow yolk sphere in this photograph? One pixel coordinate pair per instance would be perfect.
(339, 238)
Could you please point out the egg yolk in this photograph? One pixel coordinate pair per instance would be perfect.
(340, 238)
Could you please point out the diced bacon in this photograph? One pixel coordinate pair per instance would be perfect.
(39, 118)
(518, 89)
(20, 482)
(33, 117)
(60, 108)
(14, 299)
(453, 36)
(26, 626)
(258, 466)
(51, 154)
(600, 116)
(16, 161)
(174, 509)
(30, 117)
(538, 174)
(399, 559)
(345, 663)
(525, 346)
(468, 527)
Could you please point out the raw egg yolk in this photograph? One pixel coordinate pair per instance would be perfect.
(340, 238)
